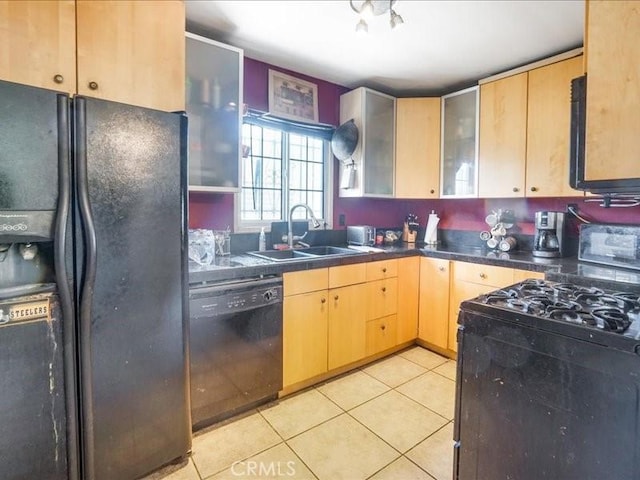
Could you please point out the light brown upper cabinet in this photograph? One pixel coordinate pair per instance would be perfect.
(503, 137)
(126, 51)
(613, 90)
(418, 147)
(548, 124)
(38, 43)
(132, 52)
(524, 132)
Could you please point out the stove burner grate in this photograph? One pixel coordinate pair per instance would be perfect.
(588, 306)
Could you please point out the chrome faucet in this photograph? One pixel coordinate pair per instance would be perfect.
(290, 238)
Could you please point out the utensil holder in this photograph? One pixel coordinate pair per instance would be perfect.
(222, 242)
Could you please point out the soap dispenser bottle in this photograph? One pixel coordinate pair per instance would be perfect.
(262, 241)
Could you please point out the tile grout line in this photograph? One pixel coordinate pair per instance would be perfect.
(342, 411)
(422, 405)
(359, 404)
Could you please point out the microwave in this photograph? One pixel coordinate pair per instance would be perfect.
(614, 245)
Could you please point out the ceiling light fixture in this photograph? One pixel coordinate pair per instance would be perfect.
(362, 26)
(374, 8)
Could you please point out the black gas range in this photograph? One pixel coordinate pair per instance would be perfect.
(561, 306)
(548, 382)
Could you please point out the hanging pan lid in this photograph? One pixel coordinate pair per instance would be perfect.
(345, 140)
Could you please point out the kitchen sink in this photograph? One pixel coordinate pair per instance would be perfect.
(329, 250)
(303, 253)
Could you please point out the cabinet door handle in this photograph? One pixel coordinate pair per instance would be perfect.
(323, 300)
(534, 189)
(483, 275)
(336, 298)
(432, 191)
(441, 269)
(516, 189)
(58, 78)
(384, 289)
(382, 327)
(93, 86)
(384, 270)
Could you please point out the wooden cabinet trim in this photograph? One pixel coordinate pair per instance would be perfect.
(304, 281)
(347, 275)
(382, 269)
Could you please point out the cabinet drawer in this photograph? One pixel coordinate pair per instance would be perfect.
(381, 334)
(347, 275)
(482, 274)
(382, 269)
(382, 298)
(305, 281)
(521, 275)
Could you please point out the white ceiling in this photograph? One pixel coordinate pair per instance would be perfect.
(442, 46)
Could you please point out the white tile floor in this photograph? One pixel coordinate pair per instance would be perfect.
(389, 420)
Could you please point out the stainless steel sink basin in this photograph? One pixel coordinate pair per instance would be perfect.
(329, 250)
(303, 253)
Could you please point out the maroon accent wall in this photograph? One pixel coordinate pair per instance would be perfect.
(215, 210)
(468, 214)
(256, 90)
(210, 210)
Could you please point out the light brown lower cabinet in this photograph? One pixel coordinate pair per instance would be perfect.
(433, 320)
(304, 326)
(336, 316)
(340, 315)
(381, 334)
(347, 325)
(445, 284)
(408, 298)
(381, 306)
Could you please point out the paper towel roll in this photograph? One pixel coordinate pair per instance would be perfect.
(431, 232)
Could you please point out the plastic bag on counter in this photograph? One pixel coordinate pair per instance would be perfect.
(202, 246)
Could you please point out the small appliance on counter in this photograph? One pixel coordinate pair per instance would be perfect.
(549, 241)
(361, 235)
(615, 245)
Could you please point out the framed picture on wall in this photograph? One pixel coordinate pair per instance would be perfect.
(292, 98)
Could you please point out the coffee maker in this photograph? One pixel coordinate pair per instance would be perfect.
(550, 239)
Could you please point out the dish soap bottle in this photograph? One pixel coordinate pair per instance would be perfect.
(262, 241)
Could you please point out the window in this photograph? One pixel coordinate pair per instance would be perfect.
(280, 169)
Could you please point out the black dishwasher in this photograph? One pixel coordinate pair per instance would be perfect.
(236, 347)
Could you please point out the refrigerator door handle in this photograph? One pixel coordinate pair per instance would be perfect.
(64, 290)
(87, 287)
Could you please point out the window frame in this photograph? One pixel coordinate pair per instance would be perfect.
(250, 226)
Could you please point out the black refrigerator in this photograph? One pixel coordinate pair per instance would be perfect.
(93, 287)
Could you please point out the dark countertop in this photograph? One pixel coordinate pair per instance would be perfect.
(567, 269)
(240, 266)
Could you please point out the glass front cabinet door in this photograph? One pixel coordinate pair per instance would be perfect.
(370, 170)
(459, 144)
(214, 109)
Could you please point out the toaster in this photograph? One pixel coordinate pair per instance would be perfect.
(361, 235)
